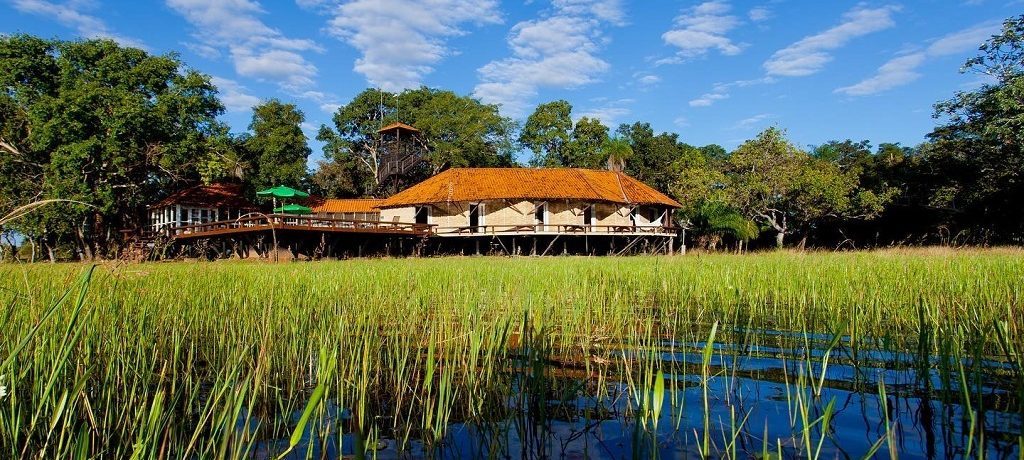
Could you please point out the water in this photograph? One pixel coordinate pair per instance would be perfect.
(779, 400)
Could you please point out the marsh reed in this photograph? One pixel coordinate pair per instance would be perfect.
(310, 360)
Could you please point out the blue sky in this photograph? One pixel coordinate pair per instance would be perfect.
(714, 72)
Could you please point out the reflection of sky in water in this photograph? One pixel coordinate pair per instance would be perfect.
(748, 382)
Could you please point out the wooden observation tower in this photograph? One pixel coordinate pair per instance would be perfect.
(401, 158)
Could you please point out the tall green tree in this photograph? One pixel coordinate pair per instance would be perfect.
(456, 131)
(107, 126)
(784, 188)
(278, 145)
(588, 145)
(653, 155)
(547, 133)
(980, 144)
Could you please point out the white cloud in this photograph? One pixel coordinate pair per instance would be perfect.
(606, 10)
(810, 54)
(681, 122)
(71, 14)
(963, 40)
(759, 14)
(326, 102)
(401, 40)
(897, 72)
(646, 79)
(701, 29)
(708, 99)
(256, 49)
(559, 50)
(753, 121)
(610, 113)
(721, 91)
(310, 4)
(234, 96)
(902, 70)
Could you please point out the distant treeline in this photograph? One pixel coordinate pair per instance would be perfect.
(115, 128)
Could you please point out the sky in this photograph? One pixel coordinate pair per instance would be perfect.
(713, 72)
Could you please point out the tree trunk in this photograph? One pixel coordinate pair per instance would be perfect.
(84, 247)
(779, 237)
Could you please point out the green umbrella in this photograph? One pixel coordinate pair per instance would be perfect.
(294, 209)
(282, 191)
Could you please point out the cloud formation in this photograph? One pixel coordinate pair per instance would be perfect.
(610, 113)
(759, 14)
(810, 55)
(701, 29)
(256, 49)
(402, 40)
(902, 70)
(559, 50)
(71, 14)
(234, 96)
(721, 91)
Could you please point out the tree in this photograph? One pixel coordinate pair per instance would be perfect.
(278, 145)
(354, 137)
(546, 133)
(784, 188)
(846, 154)
(457, 131)
(980, 143)
(712, 220)
(108, 126)
(653, 155)
(588, 145)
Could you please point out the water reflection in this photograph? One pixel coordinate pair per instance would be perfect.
(806, 399)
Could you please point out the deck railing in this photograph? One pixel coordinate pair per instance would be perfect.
(293, 222)
(566, 229)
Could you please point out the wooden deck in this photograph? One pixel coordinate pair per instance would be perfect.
(562, 229)
(286, 222)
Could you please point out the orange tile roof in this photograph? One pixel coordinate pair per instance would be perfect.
(397, 125)
(219, 195)
(334, 205)
(475, 184)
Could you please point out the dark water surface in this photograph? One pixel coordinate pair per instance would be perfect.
(758, 400)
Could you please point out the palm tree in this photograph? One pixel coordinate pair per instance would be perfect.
(711, 221)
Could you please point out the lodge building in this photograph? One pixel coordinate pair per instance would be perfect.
(493, 201)
(460, 210)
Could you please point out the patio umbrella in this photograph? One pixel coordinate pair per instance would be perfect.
(294, 209)
(282, 191)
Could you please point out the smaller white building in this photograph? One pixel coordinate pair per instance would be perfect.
(199, 205)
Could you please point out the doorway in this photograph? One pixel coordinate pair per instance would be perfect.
(475, 209)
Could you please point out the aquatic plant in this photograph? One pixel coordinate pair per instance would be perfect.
(469, 357)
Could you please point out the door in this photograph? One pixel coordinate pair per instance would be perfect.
(588, 216)
(540, 217)
(474, 216)
(422, 215)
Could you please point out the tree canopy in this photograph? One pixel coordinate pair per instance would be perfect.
(107, 126)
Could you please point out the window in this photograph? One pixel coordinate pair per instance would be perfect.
(476, 216)
(422, 215)
(540, 216)
(654, 215)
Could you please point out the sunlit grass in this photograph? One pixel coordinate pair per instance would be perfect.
(231, 359)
